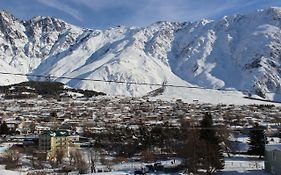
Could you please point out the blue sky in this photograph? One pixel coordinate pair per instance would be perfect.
(101, 14)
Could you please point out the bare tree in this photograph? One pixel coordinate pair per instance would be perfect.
(224, 133)
(59, 155)
(93, 158)
(210, 158)
(108, 163)
(190, 150)
(32, 127)
(12, 158)
(202, 149)
(79, 162)
(71, 157)
(148, 155)
(12, 155)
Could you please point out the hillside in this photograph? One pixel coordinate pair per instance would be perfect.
(32, 89)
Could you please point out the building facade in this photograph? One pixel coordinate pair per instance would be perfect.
(273, 158)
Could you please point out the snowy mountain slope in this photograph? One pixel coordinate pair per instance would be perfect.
(10, 79)
(115, 54)
(25, 44)
(241, 52)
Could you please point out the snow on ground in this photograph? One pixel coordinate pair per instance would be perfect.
(130, 167)
(242, 143)
(273, 140)
(247, 172)
(10, 79)
(72, 94)
(112, 173)
(3, 149)
(8, 172)
(243, 164)
(236, 164)
(191, 95)
(5, 146)
(131, 173)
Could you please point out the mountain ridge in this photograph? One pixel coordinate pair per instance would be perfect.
(239, 51)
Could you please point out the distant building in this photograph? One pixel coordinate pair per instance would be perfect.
(45, 140)
(77, 142)
(42, 129)
(52, 141)
(273, 158)
(59, 140)
(12, 124)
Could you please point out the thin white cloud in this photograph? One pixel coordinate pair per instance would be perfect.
(181, 10)
(144, 12)
(98, 5)
(62, 7)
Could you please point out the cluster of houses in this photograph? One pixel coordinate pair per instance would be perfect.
(32, 116)
(55, 123)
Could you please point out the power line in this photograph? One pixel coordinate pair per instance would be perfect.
(99, 80)
(128, 82)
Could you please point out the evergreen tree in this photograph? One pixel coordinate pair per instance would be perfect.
(211, 154)
(208, 133)
(192, 152)
(4, 128)
(257, 140)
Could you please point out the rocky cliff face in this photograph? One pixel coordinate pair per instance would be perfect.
(25, 44)
(241, 52)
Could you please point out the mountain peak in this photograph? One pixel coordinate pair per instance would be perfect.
(276, 11)
(6, 16)
(46, 18)
(271, 11)
(46, 23)
(5, 13)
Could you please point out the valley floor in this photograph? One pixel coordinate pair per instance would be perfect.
(236, 165)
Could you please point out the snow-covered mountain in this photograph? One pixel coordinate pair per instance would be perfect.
(241, 52)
